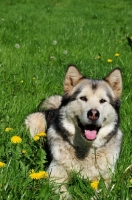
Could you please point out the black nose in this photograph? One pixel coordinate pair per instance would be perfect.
(93, 114)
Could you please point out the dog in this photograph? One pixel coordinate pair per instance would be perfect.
(82, 126)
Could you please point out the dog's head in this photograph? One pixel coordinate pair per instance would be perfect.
(93, 105)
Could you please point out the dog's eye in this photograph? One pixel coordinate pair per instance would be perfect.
(102, 101)
(83, 98)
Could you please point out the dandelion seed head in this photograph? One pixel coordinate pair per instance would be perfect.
(54, 42)
(65, 52)
(52, 57)
(17, 46)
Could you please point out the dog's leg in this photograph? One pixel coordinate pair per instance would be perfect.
(36, 123)
(59, 175)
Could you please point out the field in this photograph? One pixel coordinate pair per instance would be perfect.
(38, 40)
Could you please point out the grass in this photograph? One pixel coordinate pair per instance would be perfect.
(38, 39)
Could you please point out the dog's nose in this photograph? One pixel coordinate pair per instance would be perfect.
(93, 114)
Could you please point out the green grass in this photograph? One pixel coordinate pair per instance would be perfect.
(83, 29)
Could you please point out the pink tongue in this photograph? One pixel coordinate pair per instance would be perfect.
(90, 135)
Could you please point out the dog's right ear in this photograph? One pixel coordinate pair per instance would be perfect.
(115, 81)
(72, 77)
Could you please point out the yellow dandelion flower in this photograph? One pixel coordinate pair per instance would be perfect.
(21, 81)
(16, 139)
(2, 164)
(8, 129)
(109, 60)
(36, 137)
(117, 54)
(131, 37)
(94, 184)
(23, 151)
(38, 175)
(41, 134)
(131, 180)
(99, 57)
(43, 174)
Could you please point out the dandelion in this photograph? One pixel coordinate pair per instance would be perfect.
(23, 151)
(117, 54)
(7, 129)
(65, 52)
(34, 78)
(94, 184)
(131, 37)
(38, 175)
(54, 42)
(41, 134)
(36, 137)
(99, 57)
(2, 164)
(131, 180)
(109, 60)
(17, 46)
(16, 139)
(21, 81)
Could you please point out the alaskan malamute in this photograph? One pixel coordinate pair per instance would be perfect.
(82, 126)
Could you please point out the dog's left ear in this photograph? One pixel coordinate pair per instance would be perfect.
(72, 77)
(115, 81)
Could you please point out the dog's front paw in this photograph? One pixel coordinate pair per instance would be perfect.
(65, 196)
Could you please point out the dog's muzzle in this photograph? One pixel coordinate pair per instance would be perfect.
(89, 131)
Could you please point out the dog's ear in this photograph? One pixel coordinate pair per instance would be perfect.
(72, 77)
(115, 81)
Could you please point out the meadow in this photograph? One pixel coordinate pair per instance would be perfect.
(38, 40)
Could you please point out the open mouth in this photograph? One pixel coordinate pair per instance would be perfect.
(89, 131)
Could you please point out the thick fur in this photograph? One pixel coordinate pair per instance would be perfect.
(84, 134)
(40, 121)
